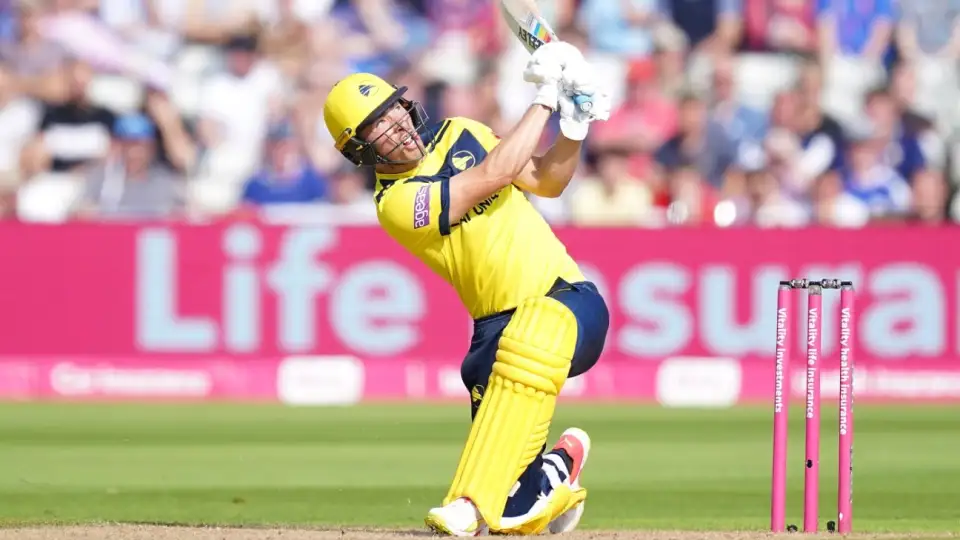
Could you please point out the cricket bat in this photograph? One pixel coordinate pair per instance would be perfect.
(526, 23)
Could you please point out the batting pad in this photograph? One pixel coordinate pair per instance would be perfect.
(511, 426)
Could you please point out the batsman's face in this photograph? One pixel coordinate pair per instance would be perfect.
(394, 136)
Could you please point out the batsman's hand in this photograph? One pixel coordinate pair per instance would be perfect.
(577, 79)
(545, 70)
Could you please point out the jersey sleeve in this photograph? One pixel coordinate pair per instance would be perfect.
(487, 137)
(416, 211)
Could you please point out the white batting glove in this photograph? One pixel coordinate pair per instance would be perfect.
(577, 79)
(545, 70)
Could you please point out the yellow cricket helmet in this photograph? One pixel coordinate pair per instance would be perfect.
(353, 103)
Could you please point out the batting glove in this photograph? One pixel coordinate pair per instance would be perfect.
(545, 70)
(577, 79)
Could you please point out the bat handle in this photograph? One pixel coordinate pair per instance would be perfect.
(583, 103)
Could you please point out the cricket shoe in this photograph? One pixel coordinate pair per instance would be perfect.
(462, 518)
(576, 443)
(459, 518)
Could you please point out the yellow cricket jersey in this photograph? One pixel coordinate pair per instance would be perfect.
(500, 253)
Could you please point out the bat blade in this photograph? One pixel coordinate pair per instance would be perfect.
(525, 22)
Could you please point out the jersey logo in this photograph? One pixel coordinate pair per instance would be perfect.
(421, 207)
(368, 90)
(463, 160)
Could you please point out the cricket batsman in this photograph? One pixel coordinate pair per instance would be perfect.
(452, 193)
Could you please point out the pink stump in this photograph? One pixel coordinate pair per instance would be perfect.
(778, 491)
(845, 488)
(812, 411)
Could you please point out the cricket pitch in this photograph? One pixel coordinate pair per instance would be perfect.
(161, 532)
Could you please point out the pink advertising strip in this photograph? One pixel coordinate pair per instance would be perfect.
(242, 290)
(675, 382)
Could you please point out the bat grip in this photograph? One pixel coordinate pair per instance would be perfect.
(583, 103)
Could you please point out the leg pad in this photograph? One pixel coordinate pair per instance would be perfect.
(511, 426)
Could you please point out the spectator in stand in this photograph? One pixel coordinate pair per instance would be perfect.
(692, 201)
(788, 161)
(820, 135)
(350, 199)
(742, 123)
(643, 122)
(133, 183)
(18, 121)
(780, 26)
(490, 112)
(903, 90)
(611, 197)
(922, 124)
(8, 20)
(866, 175)
(306, 44)
(72, 134)
(562, 13)
(465, 33)
(901, 149)
(811, 89)
(36, 63)
(835, 207)
(713, 27)
(325, 65)
(243, 67)
(380, 32)
(929, 28)
(620, 27)
(288, 177)
(285, 37)
(346, 201)
(236, 107)
(856, 28)
(930, 196)
(928, 41)
(214, 22)
(147, 26)
(768, 204)
(671, 48)
(77, 27)
(699, 142)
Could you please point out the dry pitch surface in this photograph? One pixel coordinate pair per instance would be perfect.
(159, 532)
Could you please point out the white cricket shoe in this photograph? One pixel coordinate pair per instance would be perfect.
(459, 518)
(576, 443)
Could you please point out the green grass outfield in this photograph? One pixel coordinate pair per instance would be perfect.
(386, 465)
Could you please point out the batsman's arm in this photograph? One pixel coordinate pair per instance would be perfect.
(502, 165)
(548, 175)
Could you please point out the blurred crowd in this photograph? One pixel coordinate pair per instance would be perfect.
(771, 113)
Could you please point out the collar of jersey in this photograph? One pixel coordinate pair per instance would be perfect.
(401, 175)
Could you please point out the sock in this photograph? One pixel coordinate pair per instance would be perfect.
(556, 464)
(567, 460)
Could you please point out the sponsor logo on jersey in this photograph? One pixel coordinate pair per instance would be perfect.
(421, 207)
